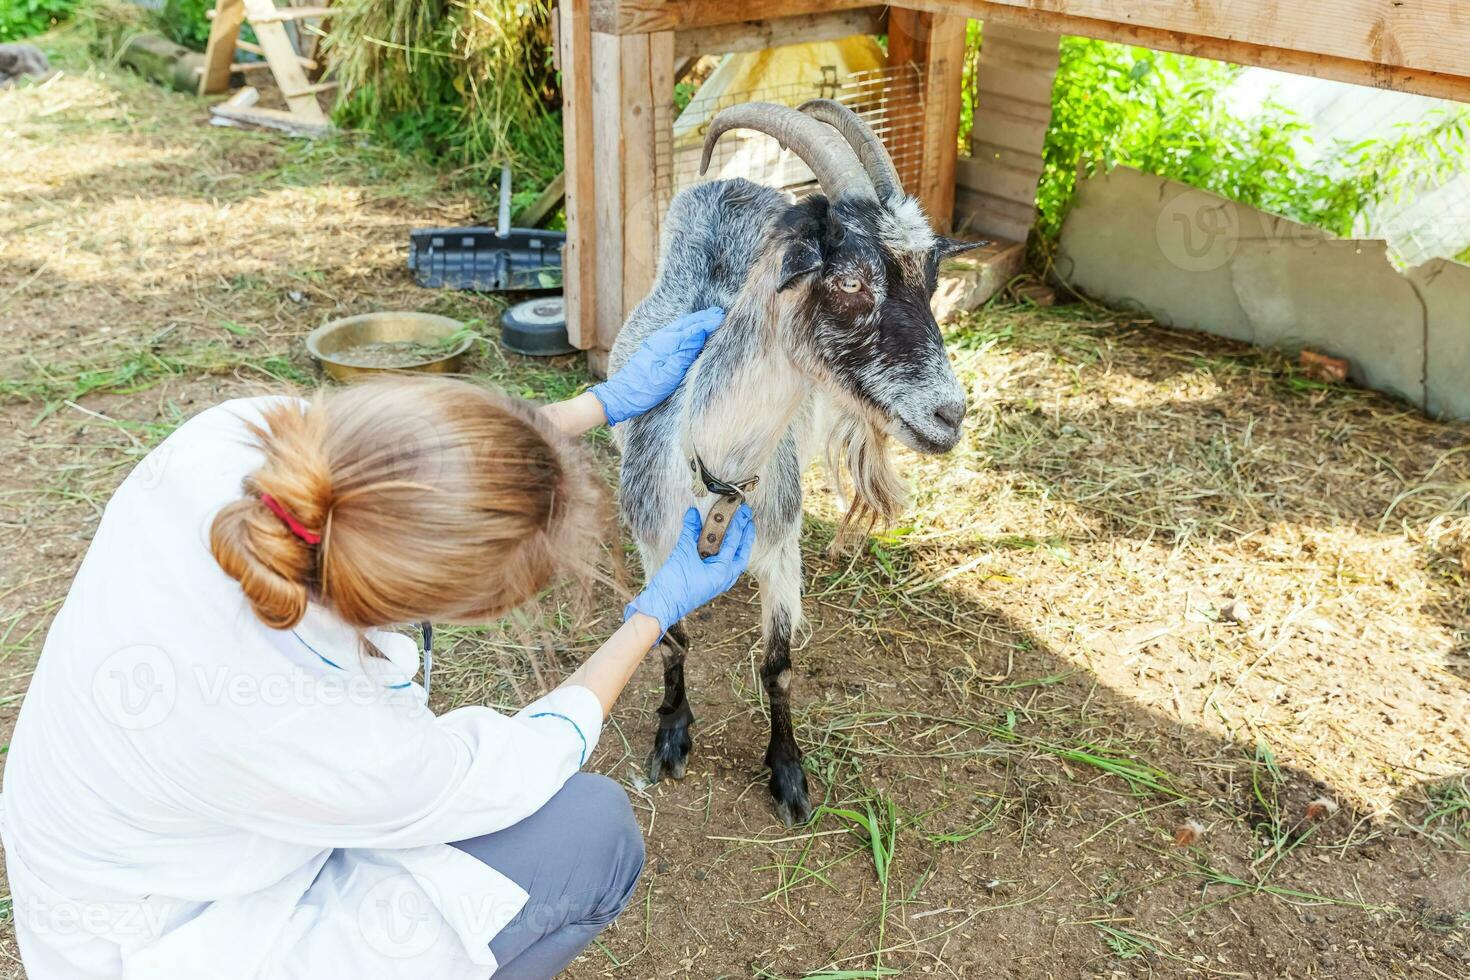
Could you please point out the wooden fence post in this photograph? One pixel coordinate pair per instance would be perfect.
(934, 44)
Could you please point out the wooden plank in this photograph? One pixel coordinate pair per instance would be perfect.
(1416, 46)
(286, 67)
(997, 179)
(1022, 160)
(648, 87)
(935, 45)
(538, 210)
(1002, 218)
(644, 16)
(1364, 68)
(310, 64)
(293, 13)
(607, 180)
(758, 34)
(289, 122)
(1013, 84)
(967, 281)
(579, 253)
(1430, 34)
(219, 51)
(1002, 130)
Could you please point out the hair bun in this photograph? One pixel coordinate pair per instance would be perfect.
(275, 566)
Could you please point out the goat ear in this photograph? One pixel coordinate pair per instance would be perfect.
(945, 247)
(801, 259)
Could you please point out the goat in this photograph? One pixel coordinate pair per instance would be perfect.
(827, 335)
(18, 60)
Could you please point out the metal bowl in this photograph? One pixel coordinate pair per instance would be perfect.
(331, 339)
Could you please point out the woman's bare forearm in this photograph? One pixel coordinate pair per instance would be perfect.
(576, 415)
(607, 671)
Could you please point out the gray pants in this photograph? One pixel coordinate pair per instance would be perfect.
(578, 857)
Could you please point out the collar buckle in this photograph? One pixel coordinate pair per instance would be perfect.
(706, 482)
(731, 496)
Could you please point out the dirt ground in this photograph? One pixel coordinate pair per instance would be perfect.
(1166, 674)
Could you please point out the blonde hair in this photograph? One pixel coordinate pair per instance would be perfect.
(434, 498)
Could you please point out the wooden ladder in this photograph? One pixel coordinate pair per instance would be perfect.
(303, 115)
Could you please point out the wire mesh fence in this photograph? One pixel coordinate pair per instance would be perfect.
(889, 100)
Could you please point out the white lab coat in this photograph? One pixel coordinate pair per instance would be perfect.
(190, 794)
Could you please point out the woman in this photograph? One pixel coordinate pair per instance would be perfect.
(223, 767)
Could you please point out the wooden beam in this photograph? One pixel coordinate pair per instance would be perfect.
(293, 13)
(579, 253)
(1407, 45)
(632, 88)
(934, 44)
(1433, 35)
(288, 122)
(648, 92)
(309, 64)
(758, 34)
(643, 16)
(285, 63)
(1367, 68)
(606, 301)
(540, 209)
(219, 51)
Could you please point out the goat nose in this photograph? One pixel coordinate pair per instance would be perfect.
(951, 414)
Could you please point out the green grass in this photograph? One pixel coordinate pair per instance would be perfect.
(1448, 812)
(879, 823)
(127, 371)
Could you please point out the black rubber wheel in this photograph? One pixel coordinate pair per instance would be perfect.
(537, 327)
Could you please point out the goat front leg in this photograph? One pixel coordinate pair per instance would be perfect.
(671, 745)
(780, 613)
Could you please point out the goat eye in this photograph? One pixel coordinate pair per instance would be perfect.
(849, 284)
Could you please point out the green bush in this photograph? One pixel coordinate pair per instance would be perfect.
(185, 23)
(27, 18)
(1162, 113)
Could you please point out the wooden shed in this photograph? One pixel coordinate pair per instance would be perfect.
(619, 58)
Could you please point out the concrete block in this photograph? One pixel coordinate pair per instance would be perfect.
(1142, 242)
(1340, 297)
(1444, 287)
(1195, 260)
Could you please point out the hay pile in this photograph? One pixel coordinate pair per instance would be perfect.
(467, 82)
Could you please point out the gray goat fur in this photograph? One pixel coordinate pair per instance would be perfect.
(778, 381)
(20, 60)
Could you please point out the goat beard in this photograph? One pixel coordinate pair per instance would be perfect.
(857, 450)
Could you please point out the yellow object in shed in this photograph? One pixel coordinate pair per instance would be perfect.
(788, 75)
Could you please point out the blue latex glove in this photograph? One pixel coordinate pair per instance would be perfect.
(687, 581)
(656, 367)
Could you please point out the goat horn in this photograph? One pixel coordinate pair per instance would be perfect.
(864, 142)
(835, 164)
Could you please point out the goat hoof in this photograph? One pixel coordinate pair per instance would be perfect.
(670, 755)
(788, 790)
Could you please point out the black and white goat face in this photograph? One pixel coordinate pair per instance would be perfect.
(860, 276)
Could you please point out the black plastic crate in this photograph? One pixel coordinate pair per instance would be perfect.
(525, 260)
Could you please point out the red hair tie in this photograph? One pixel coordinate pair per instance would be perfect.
(297, 528)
